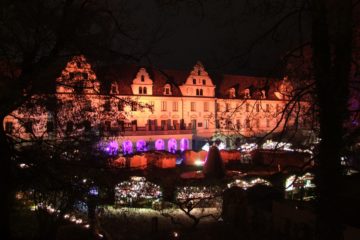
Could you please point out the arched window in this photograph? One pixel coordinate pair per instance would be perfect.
(127, 147)
(172, 145)
(201, 92)
(184, 144)
(141, 146)
(144, 90)
(197, 92)
(159, 144)
(140, 90)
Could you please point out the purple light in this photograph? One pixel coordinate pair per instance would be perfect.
(111, 148)
(159, 144)
(127, 147)
(184, 144)
(172, 145)
(141, 146)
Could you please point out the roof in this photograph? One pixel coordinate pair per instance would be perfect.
(124, 75)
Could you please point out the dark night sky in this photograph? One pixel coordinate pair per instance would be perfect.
(215, 33)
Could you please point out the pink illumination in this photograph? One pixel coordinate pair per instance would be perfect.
(159, 144)
(184, 144)
(172, 145)
(127, 147)
(141, 146)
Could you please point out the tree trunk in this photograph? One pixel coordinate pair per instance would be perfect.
(6, 183)
(331, 58)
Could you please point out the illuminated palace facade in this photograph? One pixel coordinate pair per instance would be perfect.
(142, 108)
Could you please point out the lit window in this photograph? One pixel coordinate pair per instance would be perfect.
(134, 107)
(267, 109)
(206, 106)
(193, 106)
(175, 106)
(227, 107)
(163, 106)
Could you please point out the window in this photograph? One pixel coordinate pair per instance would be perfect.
(194, 81)
(227, 107)
(9, 127)
(145, 90)
(142, 78)
(193, 106)
(204, 82)
(247, 107)
(206, 106)
(140, 90)
(152, 106)
(175, 106)
(218, 107)
(167, 89)
(134, 106)
(49, 126)
(200, 124)
(257, 107)
(206, 123)
(199, 72)
(201, 92)
(197, 92)
(267, 109)
(163, 106)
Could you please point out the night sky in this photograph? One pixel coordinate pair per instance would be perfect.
(222, 34)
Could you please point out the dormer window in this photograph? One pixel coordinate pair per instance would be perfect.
(167, 89)
(232, 93)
